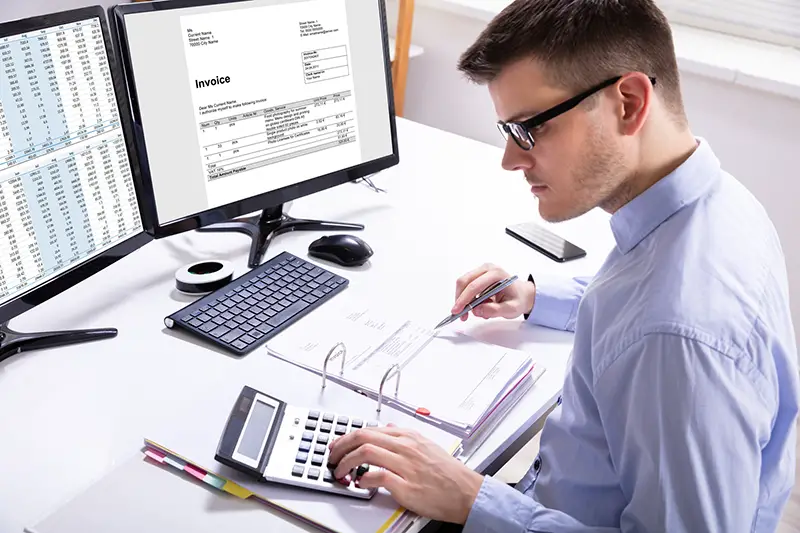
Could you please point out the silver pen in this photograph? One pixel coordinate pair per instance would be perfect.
(487, 293)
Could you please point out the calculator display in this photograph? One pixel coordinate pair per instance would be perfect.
(256, 430)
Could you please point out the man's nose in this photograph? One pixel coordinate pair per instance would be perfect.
(515, 158)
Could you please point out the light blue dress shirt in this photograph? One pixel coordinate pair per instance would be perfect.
(678, 409)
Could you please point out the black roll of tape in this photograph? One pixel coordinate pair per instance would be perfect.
(203, 277)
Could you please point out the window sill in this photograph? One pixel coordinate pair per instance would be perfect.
(746, 62)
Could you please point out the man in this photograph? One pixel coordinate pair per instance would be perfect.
(680, 402)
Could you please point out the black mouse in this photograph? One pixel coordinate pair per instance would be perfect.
(345, 250)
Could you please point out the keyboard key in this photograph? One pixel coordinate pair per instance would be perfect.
(287, 313)
(239, 345)
(322, 438)
(313, 285)
(218, 320)
(328, 417)
(251, 301)
(247, 339)
(227, 315)
(260, 285)
(305, 446)
(320, 449)
(292, 298)
(265, 328)
(313, 415)
(240, 308)
(233, 335)
(238, 289)
(311, 424)
(341, 429)
(317, 459)
(187, 318)
(270, 313)
(248, 314)
(318, 293)
(326, 290)
(212, 312)
(327, 475)
(246, 293)
(239, 319)
(372, 424)
(204, 317)
(297, 263)
(255, 334)
(302, 457)
(343, 420)
(207, 327)
(204, 308)
(292, 287)
(286, 302)
(322, 278)
(357, 423)
(325, 427)
(196, 323)
(236, 298)
(313, 473)
(316, 271)
(271, 300)
(297, 471)
(255, 322)
(361, 470)
(245, 327)
(220, 331)
(308, 436)
(278, 307)
(229, 293)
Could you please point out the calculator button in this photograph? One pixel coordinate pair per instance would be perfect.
(320, 449)
(357, 423)
(302, 457)
(327, 475)
(313, 415)
(325, 427)
(308, 436)
(305, 446)
(341, 429)
(311, 424)
(372, 424)
(317, 459)
(297, 471)
(328, 417)
(322, 439)
(313, 473)
(343, 420)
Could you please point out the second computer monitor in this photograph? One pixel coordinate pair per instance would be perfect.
(245, 105)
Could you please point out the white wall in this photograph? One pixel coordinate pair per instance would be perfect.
(756, 135)
(16, 9)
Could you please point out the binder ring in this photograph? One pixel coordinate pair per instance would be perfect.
(383, 380)
(325, 364)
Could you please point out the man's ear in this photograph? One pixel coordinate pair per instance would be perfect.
(634, 94)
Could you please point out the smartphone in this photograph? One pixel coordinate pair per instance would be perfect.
(545, 241)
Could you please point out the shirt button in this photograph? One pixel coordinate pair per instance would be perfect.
(537, 465)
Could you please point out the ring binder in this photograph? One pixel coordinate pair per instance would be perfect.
(325, 364)
(383, 380)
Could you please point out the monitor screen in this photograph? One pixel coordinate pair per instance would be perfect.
(239, 99)
(66, 186)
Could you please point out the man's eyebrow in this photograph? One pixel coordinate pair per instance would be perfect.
(522, 116)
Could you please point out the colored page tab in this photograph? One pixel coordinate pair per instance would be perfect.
(237, 490)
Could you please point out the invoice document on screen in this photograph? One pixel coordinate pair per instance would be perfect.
(455, 376)
(273, 95)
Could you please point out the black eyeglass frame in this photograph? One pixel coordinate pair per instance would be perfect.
(539, 119)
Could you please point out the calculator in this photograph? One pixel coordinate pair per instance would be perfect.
(273, 441)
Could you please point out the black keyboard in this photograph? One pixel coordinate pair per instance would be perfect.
(258, 305)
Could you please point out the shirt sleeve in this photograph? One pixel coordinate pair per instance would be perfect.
(556, 302)
(502, 509)
(684, 428)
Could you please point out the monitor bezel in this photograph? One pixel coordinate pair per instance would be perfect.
(83, 270)
(255, 203)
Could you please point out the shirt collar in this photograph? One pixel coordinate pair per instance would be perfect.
(638, 218)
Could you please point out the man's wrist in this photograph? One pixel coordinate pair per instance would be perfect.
(470, 486)
(532, 296)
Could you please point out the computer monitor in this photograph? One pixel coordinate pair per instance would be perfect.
(68, 198)
(240, 106)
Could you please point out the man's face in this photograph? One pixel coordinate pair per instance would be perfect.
(579, 158)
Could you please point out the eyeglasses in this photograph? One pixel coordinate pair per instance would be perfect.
(521, 131)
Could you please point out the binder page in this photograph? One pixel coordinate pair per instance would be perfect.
(271, 85)
(458, 378)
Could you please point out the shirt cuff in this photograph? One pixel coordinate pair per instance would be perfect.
(499, 508)
(553, 305)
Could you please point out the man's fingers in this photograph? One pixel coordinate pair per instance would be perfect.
(385, 437)
(475, 287)
(469, 277)
(370, 454)
(382, 478)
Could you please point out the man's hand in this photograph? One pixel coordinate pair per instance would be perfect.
(513, 301)
(420, 475)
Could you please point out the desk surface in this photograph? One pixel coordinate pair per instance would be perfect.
(71, 414)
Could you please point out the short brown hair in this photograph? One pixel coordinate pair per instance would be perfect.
(580, 43)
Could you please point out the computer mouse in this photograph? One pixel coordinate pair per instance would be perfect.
(345, 250)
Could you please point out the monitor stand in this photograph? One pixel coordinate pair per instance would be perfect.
(13, 342)
(271, 223)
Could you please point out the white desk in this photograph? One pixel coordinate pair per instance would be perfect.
(69, 415)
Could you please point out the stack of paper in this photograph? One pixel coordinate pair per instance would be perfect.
(451, 380)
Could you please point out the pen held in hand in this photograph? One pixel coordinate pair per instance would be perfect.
(479, 299)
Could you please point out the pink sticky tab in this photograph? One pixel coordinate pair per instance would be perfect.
(196, 472)
(154, 455)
